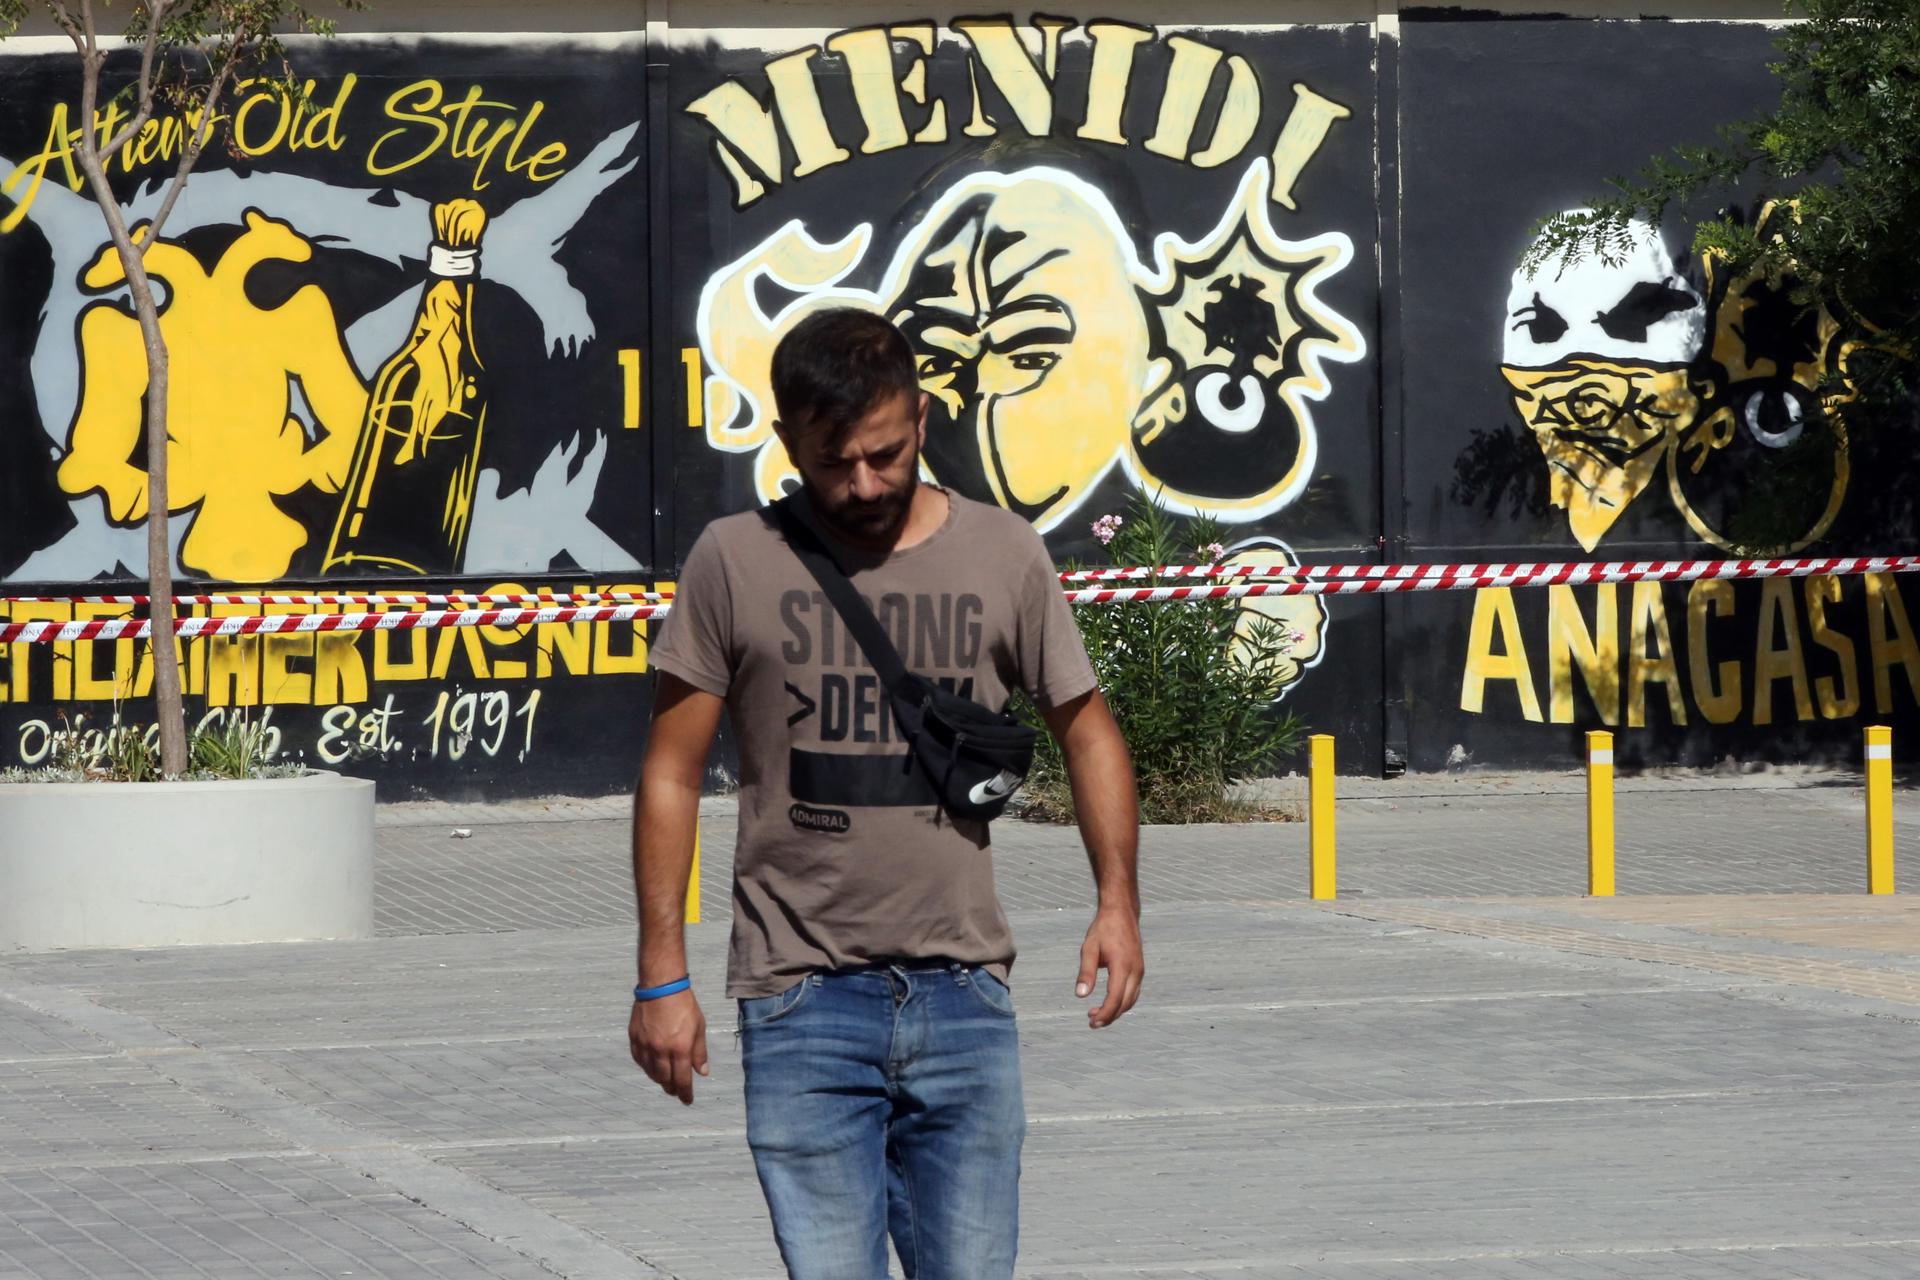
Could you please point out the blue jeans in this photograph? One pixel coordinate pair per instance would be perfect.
(887, 1101)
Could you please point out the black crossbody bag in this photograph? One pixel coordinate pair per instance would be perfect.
(974, 758)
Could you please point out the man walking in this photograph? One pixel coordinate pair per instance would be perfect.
(870, 956)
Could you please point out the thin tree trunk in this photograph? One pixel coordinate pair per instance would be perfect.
(169, 710)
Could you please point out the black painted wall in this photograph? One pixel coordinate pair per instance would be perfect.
(1267, 274)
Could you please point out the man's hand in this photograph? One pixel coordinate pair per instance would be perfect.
(668, 1038)
(1113, 944)
(1109, 813)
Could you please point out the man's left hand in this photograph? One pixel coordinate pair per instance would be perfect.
(1113, 944)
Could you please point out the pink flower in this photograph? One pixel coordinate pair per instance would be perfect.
(1106, 527)
(1213, 552)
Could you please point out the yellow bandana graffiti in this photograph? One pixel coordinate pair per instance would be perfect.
(234, 445)
(1621, 368)
(1049, 351)
(1604, 428)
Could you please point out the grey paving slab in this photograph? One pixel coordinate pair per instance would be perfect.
(1473, 836)
(299, 1215)
(1410, 1193)
(25, 1035)
(110, 1110)
(1418, 1081)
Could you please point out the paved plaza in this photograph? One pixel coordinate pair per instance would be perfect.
(1460, 1070)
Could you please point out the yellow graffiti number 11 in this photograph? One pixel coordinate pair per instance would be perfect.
(630, 369)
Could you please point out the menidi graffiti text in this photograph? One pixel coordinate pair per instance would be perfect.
(885, 69)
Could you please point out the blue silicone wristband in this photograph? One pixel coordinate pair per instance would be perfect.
(665, 989)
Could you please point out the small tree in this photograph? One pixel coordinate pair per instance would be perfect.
(1192, 684)
(191, 53)
(1844, 145)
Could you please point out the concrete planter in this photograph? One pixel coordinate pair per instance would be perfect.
(152, 864)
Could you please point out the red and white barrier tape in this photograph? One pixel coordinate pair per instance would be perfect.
(302, 623)
(1267, 580)
(438, 600)
(1432, 577)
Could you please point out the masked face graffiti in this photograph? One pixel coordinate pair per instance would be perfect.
(1596, 359)
(1050, 353)
(1623, 368)
(1028, 405)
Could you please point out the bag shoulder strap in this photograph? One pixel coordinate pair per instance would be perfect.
(860, 622)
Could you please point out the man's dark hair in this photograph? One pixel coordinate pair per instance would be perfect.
(836, 365)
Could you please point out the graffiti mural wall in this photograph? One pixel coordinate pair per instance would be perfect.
(1650, 406)
(495, 314)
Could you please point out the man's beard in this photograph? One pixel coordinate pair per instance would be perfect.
(875, 523)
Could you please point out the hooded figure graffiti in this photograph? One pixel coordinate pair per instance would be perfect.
(1051, 353)
(1622, 367)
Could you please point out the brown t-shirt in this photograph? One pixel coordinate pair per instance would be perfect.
(844, 856)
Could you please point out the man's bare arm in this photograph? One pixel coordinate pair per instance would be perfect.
(1108, 810)
(668, 1036)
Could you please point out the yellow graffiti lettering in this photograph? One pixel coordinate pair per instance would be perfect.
(507, 636)
(413, 105)
(1189, 79)
(1785, 662)
(339, 671)
(869, 56)
(1306, 129)
(747, 131)
(88, 685)
(20, 655)
(1495, 620)
(233, 662)
(1644, 668)
(149, 146)
(553, 154)
(245, 136)
(418, 644)
(914, 83)
(571, 640)
(605, 660)
(190, 657)
(465, 639)
(320, 131)
(278, 683)
(1596, 653)
(58, 146)
(1836, 702)
(1114, 44)
(1011, 69)
(798, 98)
(1884, 609)
(1719, 703)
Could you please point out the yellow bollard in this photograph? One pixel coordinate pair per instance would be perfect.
(1320, 817)
(693, 882)
(1879, 809)
(1600, 814)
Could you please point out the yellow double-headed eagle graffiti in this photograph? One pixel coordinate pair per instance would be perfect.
(234, 445)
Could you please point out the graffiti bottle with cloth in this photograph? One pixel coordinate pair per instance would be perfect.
(408, 502)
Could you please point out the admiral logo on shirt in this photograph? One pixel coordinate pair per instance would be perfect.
(808, 818)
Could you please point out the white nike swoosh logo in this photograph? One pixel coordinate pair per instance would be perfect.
(998, 787)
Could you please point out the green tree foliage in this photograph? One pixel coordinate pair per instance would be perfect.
(1843, 146)
(1191, 683)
